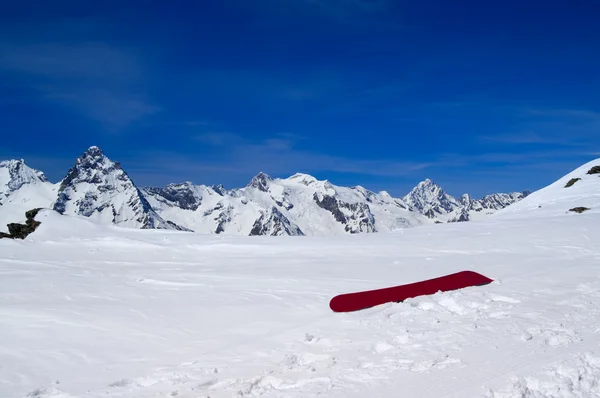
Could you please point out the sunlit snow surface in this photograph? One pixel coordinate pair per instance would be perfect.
(97, 311)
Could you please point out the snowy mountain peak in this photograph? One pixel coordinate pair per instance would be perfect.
(261, 181)
(22, 188)
(15, 173)
(220, 189)
(99, 188)
(93, 157)
(302, 178)
(430, 199)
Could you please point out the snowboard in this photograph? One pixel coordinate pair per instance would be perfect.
(360, 300)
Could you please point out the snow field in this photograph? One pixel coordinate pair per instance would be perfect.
(101, 311)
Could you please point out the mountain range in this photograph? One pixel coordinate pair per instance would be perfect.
(99, 188)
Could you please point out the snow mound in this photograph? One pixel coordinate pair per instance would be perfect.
(575, 189)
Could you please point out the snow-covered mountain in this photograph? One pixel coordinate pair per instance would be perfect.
(578, 190)
(298, 205)
(431, 200)
(22, 188)
(98, 188)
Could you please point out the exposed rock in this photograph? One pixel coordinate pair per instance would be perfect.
(261, 182)
(180, 195)
(21, 231)
(572, 182)
(594, 170)
(462, 216)
(579, 209)
(330, 204)
(219, 189)
(275, 224)
(21, 174)
(223, 218)
(356, 217)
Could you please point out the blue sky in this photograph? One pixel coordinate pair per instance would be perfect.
(479, 97)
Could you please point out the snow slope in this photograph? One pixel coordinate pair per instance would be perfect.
(22, 188)
(90, 310)
(556, 199)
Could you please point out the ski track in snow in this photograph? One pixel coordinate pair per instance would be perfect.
(163, 314)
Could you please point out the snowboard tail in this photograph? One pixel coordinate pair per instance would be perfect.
(360, 300)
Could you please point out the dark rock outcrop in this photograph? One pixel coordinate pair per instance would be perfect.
(356, 217)
(21, 231)
(572, 182)
(181, 195)
(579, 209)
(274, 224)
(594, 170)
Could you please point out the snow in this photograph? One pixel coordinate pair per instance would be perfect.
(556, 199)
(293, 198)
(22, 188)
(99, 188)
(91, 310)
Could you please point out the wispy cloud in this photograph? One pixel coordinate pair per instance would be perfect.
(557, 127)
(72, 61)
(214, 138)
(281, 155)
(98, 81)
(529, 137)
(581, 114)
(507, 158)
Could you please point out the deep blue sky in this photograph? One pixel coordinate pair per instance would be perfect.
(478, 96)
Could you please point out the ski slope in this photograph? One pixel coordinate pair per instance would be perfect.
(89, 310)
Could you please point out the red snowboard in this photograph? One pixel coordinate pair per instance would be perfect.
(361, 300)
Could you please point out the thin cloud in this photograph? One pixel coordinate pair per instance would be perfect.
(71, 61)
(582, 114)
(505, 158)
(98, 81)
(560, 127)
(530, 137)
(219, 138)
(280, 156)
